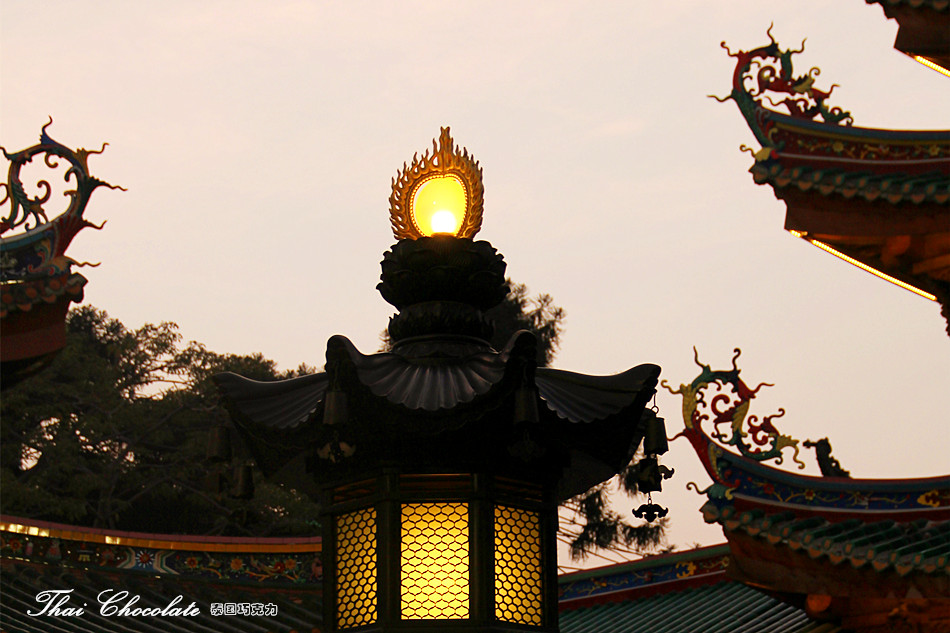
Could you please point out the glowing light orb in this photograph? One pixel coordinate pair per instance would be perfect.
(438, 206)
(444, 221)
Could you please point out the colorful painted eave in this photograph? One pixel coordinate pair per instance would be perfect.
(31, 539)
(902, 526)
(753, 485)
(649, 576)
(885, 166)
(896, 525)
(899, 526)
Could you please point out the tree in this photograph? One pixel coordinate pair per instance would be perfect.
(588, 522)
(538, 315)
(114, 434)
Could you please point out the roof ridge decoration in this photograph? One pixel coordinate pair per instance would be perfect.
(39, 251)
(769, 70)
(23, 208)
(744, 479)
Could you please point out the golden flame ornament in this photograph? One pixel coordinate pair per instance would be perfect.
(438, 194)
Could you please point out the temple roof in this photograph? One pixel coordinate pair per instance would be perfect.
(281, 575)
(904, 547)
(876, 198)
(683, 591)
(868, 546)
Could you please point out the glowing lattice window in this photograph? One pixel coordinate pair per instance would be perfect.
(356, 568)
(435, 561)
(517, 566)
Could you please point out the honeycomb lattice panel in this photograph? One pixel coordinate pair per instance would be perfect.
(517, 566)
(356, 568)
(435, 561)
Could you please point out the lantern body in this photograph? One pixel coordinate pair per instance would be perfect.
(460, 550)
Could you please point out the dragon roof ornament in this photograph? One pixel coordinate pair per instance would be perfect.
(38, 250)
(37, 281)
(743, 483)
(29, 212)
(765, 75)
(724, 398)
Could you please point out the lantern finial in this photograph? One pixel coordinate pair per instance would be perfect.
(438, 194)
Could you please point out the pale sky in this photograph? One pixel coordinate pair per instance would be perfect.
(257, 141)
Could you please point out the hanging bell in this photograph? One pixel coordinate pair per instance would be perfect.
(654, 437)
(648, 475)
(335, 410)
(219, 444)
(244, 486)
(526, 405)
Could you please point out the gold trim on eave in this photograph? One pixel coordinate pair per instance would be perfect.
(929, 64)
(863, 266)
(183, 545)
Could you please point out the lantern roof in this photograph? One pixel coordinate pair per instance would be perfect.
(409, 405)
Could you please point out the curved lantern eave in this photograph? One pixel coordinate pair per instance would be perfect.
(586, 429)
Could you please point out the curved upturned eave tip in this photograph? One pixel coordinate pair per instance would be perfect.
(583, 398)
